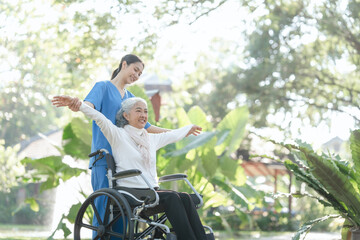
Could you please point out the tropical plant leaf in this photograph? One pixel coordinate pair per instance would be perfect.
(72, 144)
(336, 184)
(61, 226)
(221, 136)
(229, 167)
(235, 121)
(209, 162)
(253, 195)
(82, 129)
(182, 117)
(194, 142)
(71, 216)
(306, 227)
(33, 204)
(333, 181)
(236, 195)
(355, 149)
(312, 182)
(198, 117)
(301, 195)
(51, 169)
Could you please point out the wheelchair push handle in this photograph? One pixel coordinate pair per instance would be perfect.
(98, 151)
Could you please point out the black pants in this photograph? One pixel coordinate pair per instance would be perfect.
(181, 212)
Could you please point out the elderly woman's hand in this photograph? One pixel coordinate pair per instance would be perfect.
(67, 101)
(195, 130)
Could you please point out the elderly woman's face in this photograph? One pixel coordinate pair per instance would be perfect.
(138, 115)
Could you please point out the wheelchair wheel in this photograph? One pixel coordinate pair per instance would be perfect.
(116, 209)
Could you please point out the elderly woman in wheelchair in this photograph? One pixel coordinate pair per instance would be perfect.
(134, 195)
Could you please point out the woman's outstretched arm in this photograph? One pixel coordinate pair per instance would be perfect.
(73, 103)
(154, 129)
(107, 127)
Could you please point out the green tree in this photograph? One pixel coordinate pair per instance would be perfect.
(10, 167)
(300, 62)
(59, 48)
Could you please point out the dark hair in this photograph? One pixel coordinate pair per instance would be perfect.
(129, 59)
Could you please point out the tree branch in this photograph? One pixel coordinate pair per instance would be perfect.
(207, 12)
(336, 109)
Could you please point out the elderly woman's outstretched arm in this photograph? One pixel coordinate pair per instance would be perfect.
(107, 127)
(73, 103)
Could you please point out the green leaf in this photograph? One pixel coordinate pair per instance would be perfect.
(229, 167)
(355, 149)
(61, 226)
(182, 117)
(332, 182)
(209, 162)
(306, 227)
(235, 121)
(33, 204)
(306, 177)
(74, 146)
(198, 117)
(71, 216)
(235, 194)
(194, 142)
(336, 183)
(52, 169)
(222, 135)
(82, 130)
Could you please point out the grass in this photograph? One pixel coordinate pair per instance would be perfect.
(22, 232)
(32, 232)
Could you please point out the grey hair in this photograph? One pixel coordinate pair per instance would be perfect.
(126, 107)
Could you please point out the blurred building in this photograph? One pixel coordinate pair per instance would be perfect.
(335, 144)
(153, 87)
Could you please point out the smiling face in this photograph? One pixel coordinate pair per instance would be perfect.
(132, 72)
(138, 115)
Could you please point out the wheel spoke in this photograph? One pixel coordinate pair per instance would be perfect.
(107, 211)
(116, 218)
(116, 234)
(94, 228)
(96, 212)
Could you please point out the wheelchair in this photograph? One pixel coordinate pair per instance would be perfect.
(139, 209)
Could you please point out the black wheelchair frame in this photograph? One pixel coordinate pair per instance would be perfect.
(132, 206)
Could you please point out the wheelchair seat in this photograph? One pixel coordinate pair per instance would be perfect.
(137, 196)
(131, 205)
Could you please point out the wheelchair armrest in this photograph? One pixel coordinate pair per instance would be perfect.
(181, 176)
(172, 177)
(127, 173)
